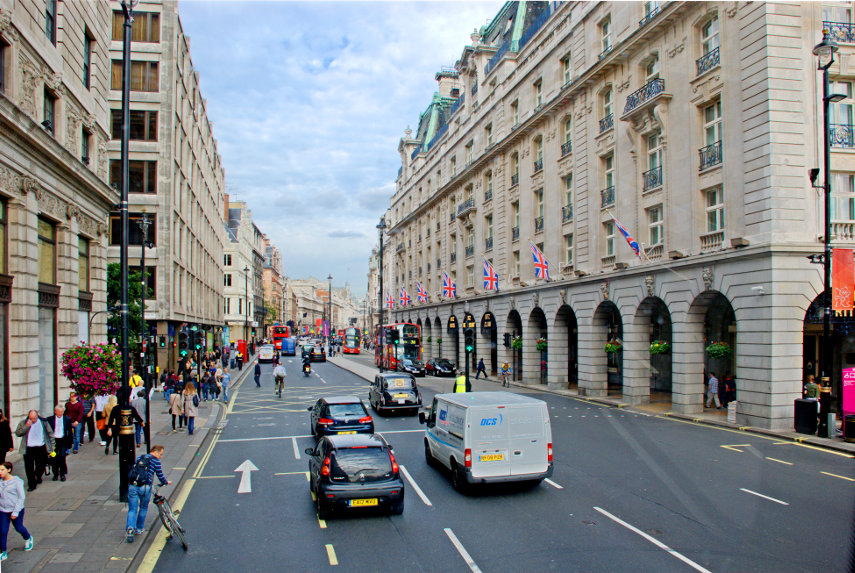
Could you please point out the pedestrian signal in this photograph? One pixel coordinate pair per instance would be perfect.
(469, 335)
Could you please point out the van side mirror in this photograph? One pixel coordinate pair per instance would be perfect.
(421, 417)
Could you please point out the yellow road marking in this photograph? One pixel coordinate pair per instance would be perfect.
(779, 461)
(331, 554)
(153, 553)
(837, 476)
(322, 523)
(810, 447)
(206, 457)
(735, 447)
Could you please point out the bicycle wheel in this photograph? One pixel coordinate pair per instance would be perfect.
(164, 517)
(178, 531)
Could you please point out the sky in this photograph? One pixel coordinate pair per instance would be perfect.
(309, 100)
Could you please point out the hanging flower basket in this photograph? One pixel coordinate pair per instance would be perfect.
(719, 350)
(540, 344)
(613, 346)
(660, 347)
(92, 369)
(439, 340)
(516, 343)
(429, 339)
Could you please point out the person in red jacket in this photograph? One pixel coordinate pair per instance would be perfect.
(75, 412)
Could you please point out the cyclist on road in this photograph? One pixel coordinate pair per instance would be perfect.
(279, 376)
(139, 495)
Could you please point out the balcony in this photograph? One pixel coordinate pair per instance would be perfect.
(538, 224)
(607, 197)
(451, 217)
(607, 123)
(643, 22)
(474, 89)
(710, 155)
(712, 241)
(608, 261)
(843, 231)
(566, 213)
(652, 178)
(416, 151)
(566, 148)
(488, 194)
(654, 252)
(466, 207)
(399, 248)
(515, 179)
(457, 103)
(707, 62)
(469, 251)
(438, 263)
(538, 165)
(453, 257)
(841, 32)
(604, 53)
(841, 135)
(488, 244)
(494, 61)
(515, 233)
(645, 94)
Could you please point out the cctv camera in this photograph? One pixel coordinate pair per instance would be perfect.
(813, 173)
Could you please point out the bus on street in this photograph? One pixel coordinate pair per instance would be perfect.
(409, 344)
(351, 341)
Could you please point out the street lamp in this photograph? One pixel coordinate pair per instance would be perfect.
(329, 331)
(824, 51)
(246, 306)
(381, 228)
(144, 224)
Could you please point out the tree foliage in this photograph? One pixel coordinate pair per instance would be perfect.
(135, 317)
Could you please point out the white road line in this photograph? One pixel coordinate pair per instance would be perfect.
(415, 486)
(763, 496)
(296, 449)
(654, 541)
(553, 484)
(303, 436)
(462, 550)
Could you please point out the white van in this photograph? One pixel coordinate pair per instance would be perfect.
(486, 437)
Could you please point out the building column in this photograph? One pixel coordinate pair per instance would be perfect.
(636, 361)
(531, 355)
(687, 362)
(593, 380)
(558, 355)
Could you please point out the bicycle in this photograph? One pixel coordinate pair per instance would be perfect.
(280, 385)
(167, 517)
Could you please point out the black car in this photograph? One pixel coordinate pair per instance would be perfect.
(394, 391)
(306, 350)
(355, 472)
(411, 366)
(439, 367)
(333, 415)
(318, 354)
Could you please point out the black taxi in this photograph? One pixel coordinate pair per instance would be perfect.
(394, 391)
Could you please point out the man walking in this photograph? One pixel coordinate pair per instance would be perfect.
(88, 418)
(224, 382)
(481, 368)
(258, 375)
(62, 429)
(75, 412)
(139, 493)
(712, 392)
(36, 443)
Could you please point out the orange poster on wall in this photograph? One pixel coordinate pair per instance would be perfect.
(842, 280)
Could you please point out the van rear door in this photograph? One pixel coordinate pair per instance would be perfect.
(529, 437)
(488, 440)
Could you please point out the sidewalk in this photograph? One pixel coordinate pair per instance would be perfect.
(710, 417)
(79, 525)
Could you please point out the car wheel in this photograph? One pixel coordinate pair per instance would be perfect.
(431, 461)
(397, 508)
(458, 480)
(323, 510)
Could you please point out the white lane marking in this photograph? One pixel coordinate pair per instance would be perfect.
(763, 496)
(322, 380)
(654, 541)
(553, 484)
(245, 470)
(462, 550)
(303, 436)
(415, 486)
(296, 450)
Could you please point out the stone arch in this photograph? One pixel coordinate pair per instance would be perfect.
(452, 330)
(534, 360)
(564, 349)
(513, 326)
(654, 372)
(489, 333)
(710, 318)
(427, 340)
(608, 327)
(437, 340)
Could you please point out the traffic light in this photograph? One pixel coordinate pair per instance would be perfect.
(392, 335)
(507, 340)
(197, 340)
(183, 344)
(163, 342)
(469, 335)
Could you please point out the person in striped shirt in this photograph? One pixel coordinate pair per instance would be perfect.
(140, 495)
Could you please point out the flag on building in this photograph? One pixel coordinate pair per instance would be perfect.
(633, 244)
(842, 282)
(390, 302)
(405, 298)
(541, 265)
(491, 279)
(421, 293)
(449, 289)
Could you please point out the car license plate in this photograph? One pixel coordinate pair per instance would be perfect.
(348, 432)
(362, 502)
(401, 401)
(491, 457)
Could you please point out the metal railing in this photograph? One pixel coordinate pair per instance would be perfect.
(533, 28)
(399, 248)
(457, 103)
(474, 88)
(647, 92)
(488, 243)
(652, 178)
(496, 57)
(515, 233)
(842, 32)
(607, 197)
(488, 194)
(469, 251)
(465, 207)
(538, 165)
(416, 151)
(538, 224)
(451, 217)
(515, 179)
(440, 132)
(604, 53)
(648, 17)
(707, 62)
(566, 148)
(654, 252)
(453, 257)
(710, 155)
(566, 213)
(841, 135)
(607, 122)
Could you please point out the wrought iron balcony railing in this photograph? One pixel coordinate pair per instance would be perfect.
(647, 92)
(515, 233)
(841, 32)
(538, 224)
(488, 243)
(707, 62)
(710, 155)
(465, 207)
(607, 197)
(566, 213)
(841, 135)
(604, 53)
(566, 148)
(648, 17)
(453, 257)
(515, 179)
(652, 178)
(469, 251)
(607, 122)
(538, 165)
(488, 194)
(399, 248)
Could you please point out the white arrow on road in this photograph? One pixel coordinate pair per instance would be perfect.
(245, 482)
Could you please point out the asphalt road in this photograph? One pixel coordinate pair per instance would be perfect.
(630, 492)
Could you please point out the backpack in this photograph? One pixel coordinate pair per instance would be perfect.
(195, 399)
(139, 472)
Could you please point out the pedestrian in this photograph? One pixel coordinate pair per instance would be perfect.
(88, 418)
(36, 443)
(138, 404)
(225, 381)
(460, 383)
(811, 391)
(139, 493)
(177, 410)
(62, 428)
(239, 360)
(712, 392)
(727, 390)
(6, 444)
(101, 419)
(481, 368)
(74, 410)
(205, 385)
(163, 376)
(191, 401)
(114, 421)
(136, 380)
(216, 385)
(257, 375)
(279, 374)
(12, 498)
(506, 374)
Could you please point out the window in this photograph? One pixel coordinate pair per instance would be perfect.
(606, 102)
(134, 232)
(568, 250)
(651, 7)
(654, 225)
(83, 264)
(654, 151)
(142, 175)
(227, 260)
(567, 129)
(143, 124)
(609, 234)
(566, 70)
(842, 197)
(4, 242)
(470, 238)
(488, 226)
(453, 166)
(606, 35)
(516, 263)
(47, 251)
(146, 26)
(85, 142)
(538, 93)
(712, 123)
(488, 185)
(470, 276)
(515, 166)
(515, 214)
(841, 111)
(515, 113)
(4, 49)
(609, 171)
(87, 59)
(714, 209)
(227, 280)
(538, 203)
(144, 76)
(488, 135)
(538, 152)
(709, 35)
(49, 112)
(469, 194)
(469, 153)
(50, 20)
(651, 70)
(228, 306)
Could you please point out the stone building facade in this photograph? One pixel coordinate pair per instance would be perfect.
(54, 196)
(273, 284)
(242, 277)
(694, 125)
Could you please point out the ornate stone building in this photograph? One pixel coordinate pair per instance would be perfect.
(242, 277)
(273, 284)
(54, 197)
(691, 123)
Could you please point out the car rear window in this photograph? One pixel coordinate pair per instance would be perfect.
(444, 363)
(399, 383)
(360, 464)
(345, 410)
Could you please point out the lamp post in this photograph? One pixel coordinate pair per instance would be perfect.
(329, 328)
(246, 306)
(144, 224)
(381, 228)
(824, 51)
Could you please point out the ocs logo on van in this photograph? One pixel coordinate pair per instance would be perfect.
(492, 421)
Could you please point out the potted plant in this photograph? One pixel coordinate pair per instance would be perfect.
(439, 340)
(719, 349)
(613, 346)
(660, 347)
(429, 339)
(540, 344)
(516, 343)
(92, 369)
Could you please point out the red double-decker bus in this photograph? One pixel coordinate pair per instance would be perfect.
(277, 334)
(409, 344)
(351, 341)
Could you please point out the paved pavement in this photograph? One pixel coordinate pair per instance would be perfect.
(79, 525)
(710, 417)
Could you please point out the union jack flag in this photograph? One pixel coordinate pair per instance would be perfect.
(390, 302)
(541, 265)
(633, 244)
(405, 298)
(421, 293)
(449, 289)
(491, 279)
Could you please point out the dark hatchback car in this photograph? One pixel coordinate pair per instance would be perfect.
(394, 391)
(412, 366)
(333, 415)
(318, 354)
(439, 367)
(355, 472)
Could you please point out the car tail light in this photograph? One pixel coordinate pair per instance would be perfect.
(365, 420)
(394, 463)
(549, 452)
(325, 421)
(467, 458)
(326, 469)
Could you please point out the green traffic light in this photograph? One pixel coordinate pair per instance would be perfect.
(469, 349)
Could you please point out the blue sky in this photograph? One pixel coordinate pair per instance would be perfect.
(308, 102)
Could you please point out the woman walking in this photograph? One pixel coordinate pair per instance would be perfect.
(176, 401)
(12, 508)
(109, 435)
(191, 400)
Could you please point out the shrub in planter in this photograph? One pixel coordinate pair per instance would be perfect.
(92, 369)
(516, 343)
(660, 347)
(439, 340)
(540, 344)
(429, 339)
(719, 350)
